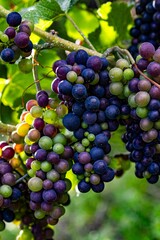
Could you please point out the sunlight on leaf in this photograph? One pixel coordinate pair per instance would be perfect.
(83, 19)
(104, 10)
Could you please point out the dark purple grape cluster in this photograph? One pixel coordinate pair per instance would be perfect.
(146, 25)
(83, 84)
(142, 136)
(15, 40)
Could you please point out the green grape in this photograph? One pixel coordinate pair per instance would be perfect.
(50, 116)
(131, 101)
(96, 80)
(128, 74)
(85, 142)
(91, 137)
(6, 191)
(35, 184)
(39, 214)
(46, 166)
(122, 63)
(36, 111)
(4, 38)
(60, 138)
(25, 65)
(116, 74)
(31, 173)
(142, 112)
(116, 88)
(36, 165)
(25, 234)
(84, 125)
(71, 76)
(104, 126)
(126, 91)
(157, 125)
(45, 142)
(58, 148)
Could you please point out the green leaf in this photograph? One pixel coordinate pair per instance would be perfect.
(44, 9)
(83, 20)
(65, 5)
(120, 17)
(117, 145)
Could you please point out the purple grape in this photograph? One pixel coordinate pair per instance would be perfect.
(36, 197)
(146, 50)
(7, 54)
(95, 63)
(53, 158)
(40, 155)
(21, 39)
(25, 28)
(58, 63)
(14, 19)
(38, 124)
(49, 195)
(59, 186)
(84, 157)
(10, 32)
(49, 130)
(71, 121)
(47, 184)
(153, 69)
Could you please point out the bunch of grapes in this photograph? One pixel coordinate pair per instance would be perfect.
(15, 40)
(143, 136)
(11, 193)
(49, 158)
(94, 94)
(146, 25)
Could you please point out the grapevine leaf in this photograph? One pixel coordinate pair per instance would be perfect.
(44, 9)
(120, 17)
(117, 145)
(65, 5)
(84, 25)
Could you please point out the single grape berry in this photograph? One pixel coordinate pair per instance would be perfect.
(14, 19)
(7, 54)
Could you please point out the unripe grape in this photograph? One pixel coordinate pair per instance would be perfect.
(35, 184)
(116, 74)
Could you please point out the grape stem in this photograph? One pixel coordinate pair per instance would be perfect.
(80, 32)
(6, 129)
(22, 178)
(123, 52)
(35, 70)
(146, 77)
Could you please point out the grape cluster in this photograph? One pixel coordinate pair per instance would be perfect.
(142, 136)
(97, 107)
(10, 191)
(49, 159)
(146, 25)
(15, 40)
